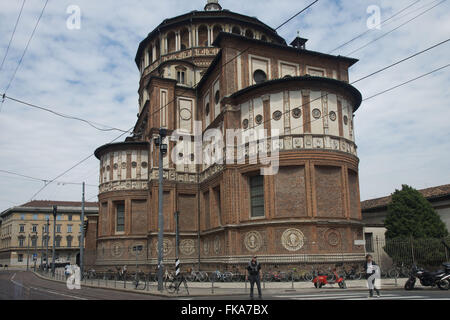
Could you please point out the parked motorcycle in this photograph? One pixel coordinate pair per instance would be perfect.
(439, 278)
(322, 279)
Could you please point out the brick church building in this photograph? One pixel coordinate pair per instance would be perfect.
(216, 69)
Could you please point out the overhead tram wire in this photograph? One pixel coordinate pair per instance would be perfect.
(23, 176)
(74, 166)
(295, 15)
(90, 123)
(406, 82)
(382, 92)
(360, 79)
(378, 25)
(396, 28)
(12, 35)
(26, 47)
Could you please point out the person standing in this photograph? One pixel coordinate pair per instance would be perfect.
(254, 276)
(372, 275)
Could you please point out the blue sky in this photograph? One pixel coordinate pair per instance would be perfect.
(403, 136)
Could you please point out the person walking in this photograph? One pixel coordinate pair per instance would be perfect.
(254, 276)
(372, 275)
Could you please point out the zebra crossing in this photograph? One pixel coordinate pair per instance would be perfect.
(356, 296)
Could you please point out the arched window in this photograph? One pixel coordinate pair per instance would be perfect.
(202, 36)
(249, 34)
(216, 31)
(184, 36)
(259, 76)
(171, 42)
(236, 30)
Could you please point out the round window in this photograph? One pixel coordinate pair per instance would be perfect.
(345, 120)
(207, 109)
(259, 76)
(316, 113)
(258, 119)
(115, 166)
(134, 164)
(245, 123)
(144, 164)
(333, 116)
(297, 113)
(217, 97)
(277, 115)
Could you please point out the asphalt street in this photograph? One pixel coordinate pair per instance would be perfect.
(22, 285)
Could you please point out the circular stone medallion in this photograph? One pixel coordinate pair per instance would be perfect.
(116, 249)
(167, 246)
(185, 114)
(253, 241)
(187, 246)
(292, 239)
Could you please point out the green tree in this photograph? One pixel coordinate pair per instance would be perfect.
(411, 215)
(414, 229)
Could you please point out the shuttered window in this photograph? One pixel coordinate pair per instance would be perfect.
(120, 217)
(257, 196)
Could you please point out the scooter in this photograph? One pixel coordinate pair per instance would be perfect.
(439, 278)
(321, 280)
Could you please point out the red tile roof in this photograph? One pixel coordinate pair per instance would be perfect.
(50, 203)
(428, 193)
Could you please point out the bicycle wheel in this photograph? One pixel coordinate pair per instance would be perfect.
(309, 276)
(394, 273)
(228, 277)
(172, 287)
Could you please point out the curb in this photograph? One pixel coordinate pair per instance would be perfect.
(281, 290)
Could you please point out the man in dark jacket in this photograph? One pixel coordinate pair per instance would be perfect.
(254, 276)
(372, 273)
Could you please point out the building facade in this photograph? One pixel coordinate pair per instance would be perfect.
(215, 71)
(24, 236)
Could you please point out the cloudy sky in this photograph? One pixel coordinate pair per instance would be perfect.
(403, 136)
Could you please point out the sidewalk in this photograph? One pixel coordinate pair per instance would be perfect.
(208, 289)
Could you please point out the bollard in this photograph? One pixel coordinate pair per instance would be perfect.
(264, 282)
(124, 281)
(246, 285)
(114, 282)
(292, 281)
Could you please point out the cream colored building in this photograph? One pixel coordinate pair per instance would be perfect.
(23, 233)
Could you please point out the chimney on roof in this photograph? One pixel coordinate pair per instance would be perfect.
(298, 42)
(213, 5)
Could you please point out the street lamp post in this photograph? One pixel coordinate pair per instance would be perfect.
(35, 249)
(162, 150)
(28, 252)
(55, 212)
(42, 248)
(46, 244)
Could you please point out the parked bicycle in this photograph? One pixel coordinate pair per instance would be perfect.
(198, 276)
(174, 284)
(139, 282)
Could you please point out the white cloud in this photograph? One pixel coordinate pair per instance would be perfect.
(403, 136)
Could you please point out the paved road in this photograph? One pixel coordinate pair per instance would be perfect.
(22, 285)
